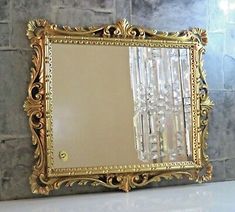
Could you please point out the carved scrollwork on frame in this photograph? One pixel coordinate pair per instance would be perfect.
(122, 29)
(206, 105)
(34, 105)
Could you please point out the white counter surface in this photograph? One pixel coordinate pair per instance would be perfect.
(199, 198)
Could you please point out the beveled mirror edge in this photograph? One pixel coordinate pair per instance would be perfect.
(35, 104)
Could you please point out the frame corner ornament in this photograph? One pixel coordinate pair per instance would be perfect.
(34, 104)
(199, 35)
(35, 28)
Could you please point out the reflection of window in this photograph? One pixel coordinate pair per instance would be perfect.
(160, 79)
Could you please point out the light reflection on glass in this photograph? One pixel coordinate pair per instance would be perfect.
(162, 103)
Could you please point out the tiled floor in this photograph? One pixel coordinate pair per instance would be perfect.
(205, 197)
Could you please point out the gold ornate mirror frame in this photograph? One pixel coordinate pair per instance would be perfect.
(38, 106)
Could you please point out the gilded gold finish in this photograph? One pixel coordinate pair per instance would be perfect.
(37, 105)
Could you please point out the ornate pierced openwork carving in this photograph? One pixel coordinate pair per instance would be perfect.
(44, 178)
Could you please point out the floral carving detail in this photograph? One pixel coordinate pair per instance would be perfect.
(35, 103)
(36, 28)
(199, 35)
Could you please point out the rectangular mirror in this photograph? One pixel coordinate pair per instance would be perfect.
(117, 105)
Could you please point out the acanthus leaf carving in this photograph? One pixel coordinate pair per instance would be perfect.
(34, 105)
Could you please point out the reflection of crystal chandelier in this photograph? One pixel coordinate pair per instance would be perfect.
(161, 92)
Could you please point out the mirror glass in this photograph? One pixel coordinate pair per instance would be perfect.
(116, 105)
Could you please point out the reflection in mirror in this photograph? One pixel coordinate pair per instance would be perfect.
(93, 108)
(120, 105)
(162, 101)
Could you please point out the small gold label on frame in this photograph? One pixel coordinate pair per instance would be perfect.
(63, 155)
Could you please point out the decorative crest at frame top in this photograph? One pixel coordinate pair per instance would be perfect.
(122, 29)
